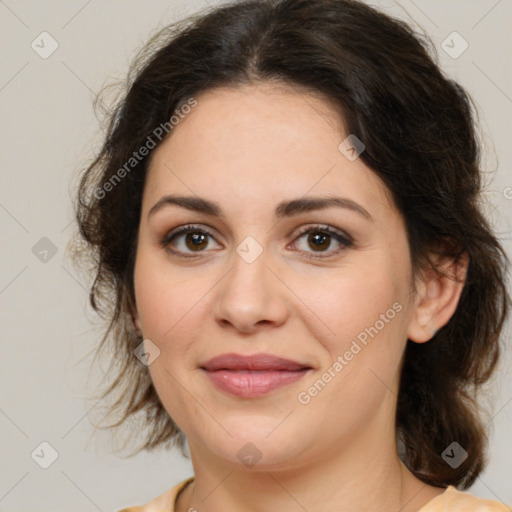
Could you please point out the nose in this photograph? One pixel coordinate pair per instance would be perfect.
(250, 297)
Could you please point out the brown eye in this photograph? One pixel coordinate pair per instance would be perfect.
(196, 241)
(189, 239)
(319, 239)
(186, 240)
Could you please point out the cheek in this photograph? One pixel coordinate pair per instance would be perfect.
(167, 305)
(367, 311)
(164, 298)
(360, 299)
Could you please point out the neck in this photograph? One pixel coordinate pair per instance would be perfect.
(365, 475)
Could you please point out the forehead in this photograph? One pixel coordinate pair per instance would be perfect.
(260, 142)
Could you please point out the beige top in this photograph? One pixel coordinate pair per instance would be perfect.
(451, 500)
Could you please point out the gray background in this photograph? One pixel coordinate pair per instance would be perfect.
(48, 134)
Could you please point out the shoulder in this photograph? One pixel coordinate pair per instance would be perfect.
(163, 503)
(452, 500)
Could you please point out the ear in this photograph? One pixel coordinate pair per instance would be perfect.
(437, 296)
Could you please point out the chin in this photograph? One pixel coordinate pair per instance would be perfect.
(259, 447)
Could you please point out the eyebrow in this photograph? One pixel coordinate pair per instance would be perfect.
(284, 209)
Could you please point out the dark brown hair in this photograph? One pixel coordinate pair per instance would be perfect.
(418, 129)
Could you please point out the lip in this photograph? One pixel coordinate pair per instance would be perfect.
(262, 361)
(254, 375)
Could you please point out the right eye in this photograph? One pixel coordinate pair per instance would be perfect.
(187, 238)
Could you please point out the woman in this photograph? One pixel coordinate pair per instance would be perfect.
(290, 253)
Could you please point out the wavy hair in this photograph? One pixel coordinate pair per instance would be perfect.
(418, 127)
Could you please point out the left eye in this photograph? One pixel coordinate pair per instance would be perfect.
(318, 238)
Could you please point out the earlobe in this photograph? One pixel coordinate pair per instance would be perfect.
(437, 297)
(137, 324)
(136, 320)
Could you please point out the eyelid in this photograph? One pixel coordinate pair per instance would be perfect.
(324, 228)
(344, 239)
(183, 230)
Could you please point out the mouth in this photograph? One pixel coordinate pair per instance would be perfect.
(253, 376)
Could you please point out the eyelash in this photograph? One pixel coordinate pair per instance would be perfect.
(344, 240)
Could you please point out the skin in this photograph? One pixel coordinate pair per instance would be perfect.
(248, 149)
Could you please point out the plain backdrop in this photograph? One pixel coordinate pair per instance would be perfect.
(49, 132)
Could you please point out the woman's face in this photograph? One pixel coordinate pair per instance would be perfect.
(247, 280)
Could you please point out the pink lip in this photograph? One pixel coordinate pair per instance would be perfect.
(252, 376)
